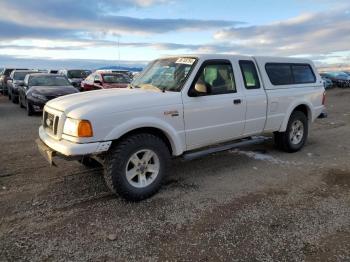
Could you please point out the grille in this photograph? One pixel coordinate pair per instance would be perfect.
(50, 122)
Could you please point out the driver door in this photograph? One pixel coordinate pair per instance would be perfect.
(214, 111)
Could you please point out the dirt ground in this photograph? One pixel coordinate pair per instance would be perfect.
(253, 204)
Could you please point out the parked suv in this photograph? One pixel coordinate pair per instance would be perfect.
(75, 76)
(185, 106)
(4, 78)
(16, 80)
(105, 80)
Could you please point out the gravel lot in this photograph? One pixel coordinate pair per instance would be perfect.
(253, 204)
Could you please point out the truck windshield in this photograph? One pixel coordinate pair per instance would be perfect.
(167, 74)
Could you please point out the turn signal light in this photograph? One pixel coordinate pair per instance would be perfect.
(85, 129)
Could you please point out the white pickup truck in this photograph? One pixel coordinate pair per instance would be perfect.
(180, 106)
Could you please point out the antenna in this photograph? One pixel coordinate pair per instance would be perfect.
(119, 50)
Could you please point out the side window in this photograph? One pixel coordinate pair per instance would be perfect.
(279, 74)
(288, 74)
(250, 75)
(215, 78)
(303, 74)
(90, 79)
(97, 78)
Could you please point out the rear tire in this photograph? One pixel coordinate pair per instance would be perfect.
(136, 166)
(295, 136)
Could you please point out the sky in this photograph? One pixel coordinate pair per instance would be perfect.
(95, 33)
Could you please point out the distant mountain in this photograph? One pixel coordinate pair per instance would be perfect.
(129, 68)
(50, 63)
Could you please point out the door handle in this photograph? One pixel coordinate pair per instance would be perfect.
(237, 101)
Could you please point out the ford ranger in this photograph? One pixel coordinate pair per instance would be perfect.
(180, 106)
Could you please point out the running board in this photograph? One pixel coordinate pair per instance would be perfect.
(237, 144)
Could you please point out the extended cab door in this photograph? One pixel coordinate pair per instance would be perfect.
(255, 96)
(214, 110)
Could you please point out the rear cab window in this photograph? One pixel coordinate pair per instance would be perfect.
(290, 73)
(303, 74)
(249, 74)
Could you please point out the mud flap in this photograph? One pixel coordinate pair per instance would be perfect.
(46, 152)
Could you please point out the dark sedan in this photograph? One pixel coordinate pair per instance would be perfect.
(40, 88)
(338, 78)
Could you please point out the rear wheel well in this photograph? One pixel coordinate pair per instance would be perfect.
(304, 109)
(149, 130)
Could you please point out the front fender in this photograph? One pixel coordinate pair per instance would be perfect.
(175, 138)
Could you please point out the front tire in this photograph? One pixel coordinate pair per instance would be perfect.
(136, 166)
(295, 136)
(14, 99)
(29, 109)
(20, 102)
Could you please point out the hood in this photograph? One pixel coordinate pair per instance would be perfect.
(115, 85)
(341, 77)
(109, 101)
(53, 90)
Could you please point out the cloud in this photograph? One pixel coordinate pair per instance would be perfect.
(13, 31)
(89, 24)
(319, 33)
(81, 44)
(48, 63)
(93, 16)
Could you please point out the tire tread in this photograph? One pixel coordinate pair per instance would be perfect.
(114, 162)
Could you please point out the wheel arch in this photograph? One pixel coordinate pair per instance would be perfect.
(302, 107)
(171, 138)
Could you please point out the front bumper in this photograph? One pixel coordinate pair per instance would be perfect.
(37, 105)
(67, 148)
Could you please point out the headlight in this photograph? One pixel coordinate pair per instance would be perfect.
(77, 128)
(40, 97)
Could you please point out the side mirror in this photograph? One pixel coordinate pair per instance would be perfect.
(200, 89)
(97, 82)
